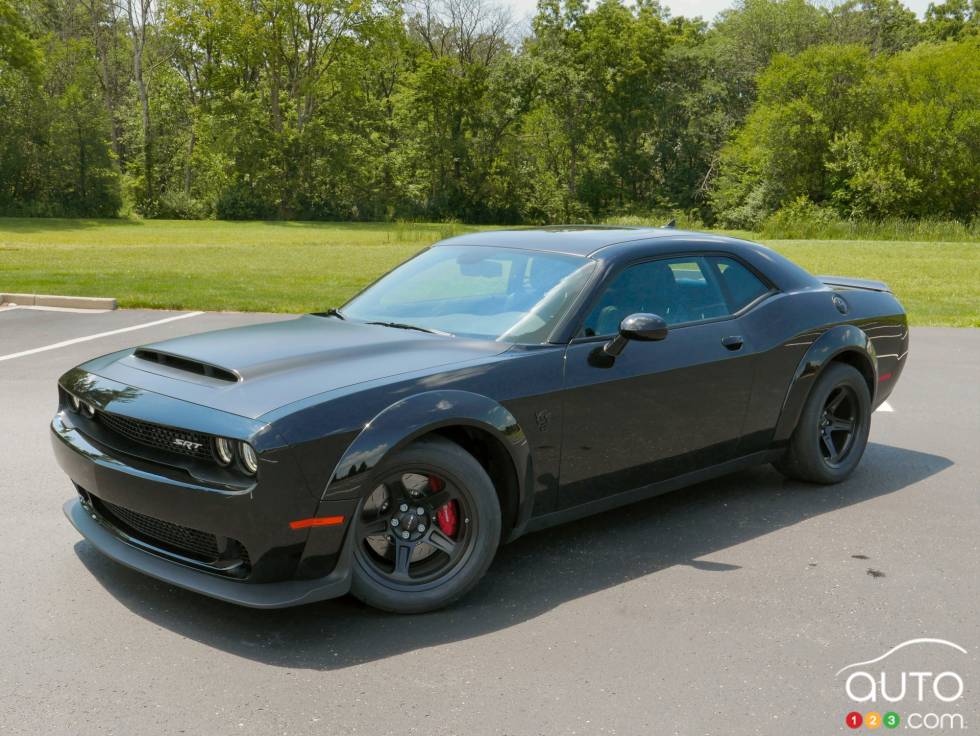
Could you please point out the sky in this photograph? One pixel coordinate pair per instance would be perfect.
(707, 9)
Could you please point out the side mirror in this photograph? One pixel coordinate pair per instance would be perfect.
(643, 327)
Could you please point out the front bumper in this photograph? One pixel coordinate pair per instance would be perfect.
(258, 595)
(286, 567)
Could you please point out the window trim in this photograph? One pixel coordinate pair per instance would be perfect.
(773, 290)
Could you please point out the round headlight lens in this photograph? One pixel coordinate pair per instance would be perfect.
(87, 409)
(250, 461)
(73, 403)
(223, 450)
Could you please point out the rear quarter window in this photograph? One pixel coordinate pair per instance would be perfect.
(742, 287)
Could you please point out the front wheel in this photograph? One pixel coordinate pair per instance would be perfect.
(428, 531)
(833, 429)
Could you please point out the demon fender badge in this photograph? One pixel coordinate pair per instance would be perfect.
(542, 418)
(187, 444)
(840, 304)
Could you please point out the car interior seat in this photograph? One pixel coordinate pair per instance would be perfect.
(649, 288)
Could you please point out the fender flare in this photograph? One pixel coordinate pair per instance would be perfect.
(824, 350)
(408, 419)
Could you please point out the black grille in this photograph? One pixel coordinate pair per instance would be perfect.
(183, 442)
(193, 543)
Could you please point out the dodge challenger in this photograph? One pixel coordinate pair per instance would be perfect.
(494, 384)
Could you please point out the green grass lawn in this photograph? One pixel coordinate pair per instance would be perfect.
(301, 266)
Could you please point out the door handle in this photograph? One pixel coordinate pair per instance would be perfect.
(732, 342)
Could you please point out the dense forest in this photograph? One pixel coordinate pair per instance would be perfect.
(448, 109)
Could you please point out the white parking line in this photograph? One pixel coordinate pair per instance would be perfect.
(885, 407)
(66, 343)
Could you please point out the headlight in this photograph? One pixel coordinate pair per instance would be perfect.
(87, 409)
(224, 451)
(250, 461)
(73, 403)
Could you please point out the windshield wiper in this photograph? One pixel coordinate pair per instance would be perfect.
(403, 326)
(332, 312)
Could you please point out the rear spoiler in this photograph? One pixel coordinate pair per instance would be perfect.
(849, 283)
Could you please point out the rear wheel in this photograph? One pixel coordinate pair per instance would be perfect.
(833, 429)
(427, 532)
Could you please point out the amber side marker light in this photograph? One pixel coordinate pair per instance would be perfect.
(316, 521)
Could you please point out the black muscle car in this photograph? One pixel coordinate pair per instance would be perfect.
(494, 384)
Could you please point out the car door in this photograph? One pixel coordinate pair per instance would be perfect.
(659, 409)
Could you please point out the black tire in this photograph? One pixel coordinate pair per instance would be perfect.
(821, 449)
(383, 577)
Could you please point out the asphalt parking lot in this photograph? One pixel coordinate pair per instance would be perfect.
(723, 609)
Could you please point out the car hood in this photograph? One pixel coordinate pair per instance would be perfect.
(252, 370)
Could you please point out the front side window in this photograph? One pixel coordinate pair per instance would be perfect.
(501, 294)
(682, 289)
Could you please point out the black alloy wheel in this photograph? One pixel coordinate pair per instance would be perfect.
(428, 530)
(832, 432)
(415, 528)
(838, 425)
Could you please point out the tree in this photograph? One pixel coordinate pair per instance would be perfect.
(140, 15)
(374, 109)
(782, 151)
(921, 158)
(883, 26)
(108, 37)
(604, 85)
(54, 156)
(868, 136)
(953, 19)
(755, 31)
(18, 51)
(466, 94)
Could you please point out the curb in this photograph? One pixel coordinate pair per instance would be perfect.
(50, 300)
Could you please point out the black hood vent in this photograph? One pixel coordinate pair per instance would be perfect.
(186, 364)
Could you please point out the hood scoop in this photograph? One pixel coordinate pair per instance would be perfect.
(186, 365)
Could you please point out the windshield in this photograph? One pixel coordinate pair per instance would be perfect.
(496, 293)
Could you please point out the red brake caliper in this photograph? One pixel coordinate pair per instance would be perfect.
(446, 516)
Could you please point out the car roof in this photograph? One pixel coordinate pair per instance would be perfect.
(582, 240)
(579, 240)
(612, 244)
